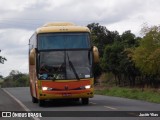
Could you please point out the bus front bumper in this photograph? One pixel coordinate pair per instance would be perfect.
(69, 94)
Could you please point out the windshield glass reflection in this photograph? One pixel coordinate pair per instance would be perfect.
(50, 41)
(61, 65)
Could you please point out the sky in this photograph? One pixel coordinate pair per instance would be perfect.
(20, 18)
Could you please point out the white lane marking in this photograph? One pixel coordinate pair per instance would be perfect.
(110, 107)
(93, 103)
(20, 103)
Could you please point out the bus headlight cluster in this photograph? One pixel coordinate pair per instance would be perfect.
(87, 86)
(47, 88)
(44, 88)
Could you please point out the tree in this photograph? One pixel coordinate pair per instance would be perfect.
(2, 59)
(111, 59)
(116, 60)
(1, 77)
(16, 79)
(129, 39)
(147, 55)
(101, 36)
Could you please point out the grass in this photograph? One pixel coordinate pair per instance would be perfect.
(150, 95)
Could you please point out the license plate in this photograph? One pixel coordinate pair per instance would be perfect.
(66, 94)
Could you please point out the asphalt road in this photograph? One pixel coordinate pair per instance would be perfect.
(98, 103)
(9, 104)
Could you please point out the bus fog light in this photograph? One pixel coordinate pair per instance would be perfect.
(44, 88)
(88, 86)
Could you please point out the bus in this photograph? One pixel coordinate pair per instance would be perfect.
(61, 59)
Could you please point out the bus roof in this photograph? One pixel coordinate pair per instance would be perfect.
(61, 27)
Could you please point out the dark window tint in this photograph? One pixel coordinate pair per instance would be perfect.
(65, 65)
(63, 41)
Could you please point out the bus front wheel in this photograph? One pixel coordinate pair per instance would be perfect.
(85, 101)
(34, 100)
(41, 103)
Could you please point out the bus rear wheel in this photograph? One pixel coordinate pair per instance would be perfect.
(85, 101)
(41, 103)
(34, 100)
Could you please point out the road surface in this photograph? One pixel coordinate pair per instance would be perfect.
(9, 104)
(98, 103)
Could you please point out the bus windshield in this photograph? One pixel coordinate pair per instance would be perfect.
(64, 65)
(63, 41)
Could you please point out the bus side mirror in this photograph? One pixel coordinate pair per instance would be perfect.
(95, 54)
(32, 56)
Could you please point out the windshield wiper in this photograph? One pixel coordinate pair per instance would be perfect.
(73, 68)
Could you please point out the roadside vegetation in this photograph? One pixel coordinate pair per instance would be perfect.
(1, 82)
(132, 61)
(129, 65)
(16, 79)
(150, 95)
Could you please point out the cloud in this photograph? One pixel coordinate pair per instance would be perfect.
(14, 46)
(14, 38)
(16, 62)
(16, 5)
(30, 15)
(82, 12)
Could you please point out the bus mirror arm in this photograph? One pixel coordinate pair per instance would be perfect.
(32, 57)
(95, 54)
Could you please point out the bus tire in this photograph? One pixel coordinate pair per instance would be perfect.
(34, 100)
(76, 99)
(41, 103)
(85, 101)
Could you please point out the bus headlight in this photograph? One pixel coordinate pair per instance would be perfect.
(44, 88)
(87, 86)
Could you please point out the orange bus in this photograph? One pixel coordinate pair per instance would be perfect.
(61, 58)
